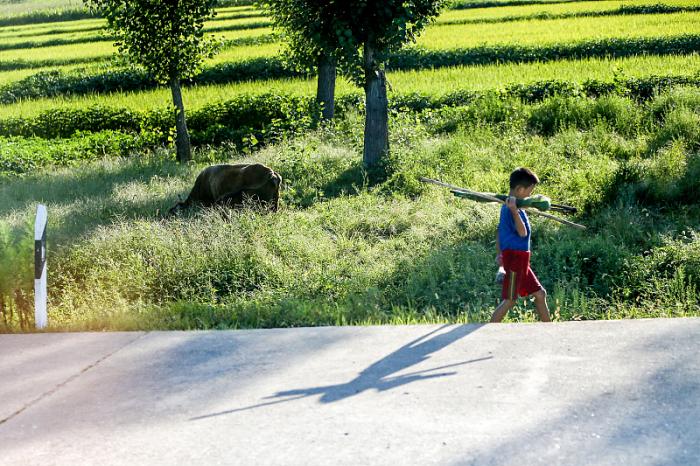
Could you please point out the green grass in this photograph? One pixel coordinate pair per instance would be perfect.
(345, 250)
(92, 38)
(435, 82)
(347, 247)
(30, 30)
(553, 9)
(20, 7)
(95, 51)
(442, 81)
(39, 40)
(438, 37)
(559, 31)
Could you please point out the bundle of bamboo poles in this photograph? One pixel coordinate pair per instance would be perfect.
(501, 199)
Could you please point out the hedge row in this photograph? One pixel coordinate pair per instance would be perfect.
(49, 84)
(48, 16)
(106, 38)
(268, 117)
(468, 4)
(22, 155)
(658, 8)
(248, 121)
(55, 83)
(419, 58)
(19, 64)
(22, 64)
(75, 14)
(623, 10)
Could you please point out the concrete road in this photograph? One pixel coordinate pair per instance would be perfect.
(574, 393)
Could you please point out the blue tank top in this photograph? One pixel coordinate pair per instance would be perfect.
(508, 236)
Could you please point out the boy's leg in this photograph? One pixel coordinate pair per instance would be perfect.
(502, 310)
(541, 305)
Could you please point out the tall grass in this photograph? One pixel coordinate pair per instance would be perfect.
(346, 247)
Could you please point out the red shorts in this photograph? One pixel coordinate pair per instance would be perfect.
(520, 280)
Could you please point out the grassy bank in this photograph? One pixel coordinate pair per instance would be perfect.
(349, 247)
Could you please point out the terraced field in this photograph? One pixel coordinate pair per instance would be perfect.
(601, 97)
(80, 46)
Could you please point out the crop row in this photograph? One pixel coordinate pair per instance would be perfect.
(623, 10)
(47, 38)
(70, 14)
(91, 39)
(271, 115)
(438, 81)
(47, 17)
(55, 83)
(668, 118)
(448, 39)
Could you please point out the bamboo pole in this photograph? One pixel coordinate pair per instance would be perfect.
(487, 197)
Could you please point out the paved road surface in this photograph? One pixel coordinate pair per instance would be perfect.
(574, 393)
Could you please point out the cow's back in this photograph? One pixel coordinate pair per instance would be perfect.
(219, 180)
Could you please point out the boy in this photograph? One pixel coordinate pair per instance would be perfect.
(513, 248)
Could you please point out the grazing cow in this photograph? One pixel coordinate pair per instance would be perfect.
(232, 185)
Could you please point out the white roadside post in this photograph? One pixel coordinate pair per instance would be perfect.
(40, 294)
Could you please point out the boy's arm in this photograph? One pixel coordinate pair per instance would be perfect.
(519, 225)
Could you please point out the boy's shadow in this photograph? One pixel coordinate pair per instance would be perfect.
(379, 374)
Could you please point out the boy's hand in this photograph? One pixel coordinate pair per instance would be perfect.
(511, 202)
(499, 260)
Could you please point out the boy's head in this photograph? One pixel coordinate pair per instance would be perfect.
(522, 182)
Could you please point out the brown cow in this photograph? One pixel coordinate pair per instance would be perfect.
(232, 185)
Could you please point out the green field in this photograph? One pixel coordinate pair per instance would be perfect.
(609, 130)
(434, 82)
(15, 8)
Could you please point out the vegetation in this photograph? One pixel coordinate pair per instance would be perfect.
(167, 40)
(601, 101)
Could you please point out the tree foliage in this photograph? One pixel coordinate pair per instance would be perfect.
(165, 37)
(342, 27)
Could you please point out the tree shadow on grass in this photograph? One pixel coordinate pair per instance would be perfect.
(381, 375)
(86, 198)
(353, 179)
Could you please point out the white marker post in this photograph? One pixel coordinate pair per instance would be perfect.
(40, 293)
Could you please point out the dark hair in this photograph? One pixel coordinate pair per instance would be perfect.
(523, 177)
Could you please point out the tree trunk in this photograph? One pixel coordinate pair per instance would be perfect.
(325, 92)
(182, 136)
(377, 111)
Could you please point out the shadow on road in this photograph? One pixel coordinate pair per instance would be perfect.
(380, 375)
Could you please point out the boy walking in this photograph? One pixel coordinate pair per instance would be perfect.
(513, 248)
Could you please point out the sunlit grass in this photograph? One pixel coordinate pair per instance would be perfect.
(436, 82)
(96, 50)
(442, 81)
(27, 30)
(18, 7)
(242, 22)
(351, 254)
(91, 37)
(38, 39)
(553, 9)
(569, 30)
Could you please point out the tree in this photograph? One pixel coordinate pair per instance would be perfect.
(311, 45)
(167, 39)
(359, 35)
